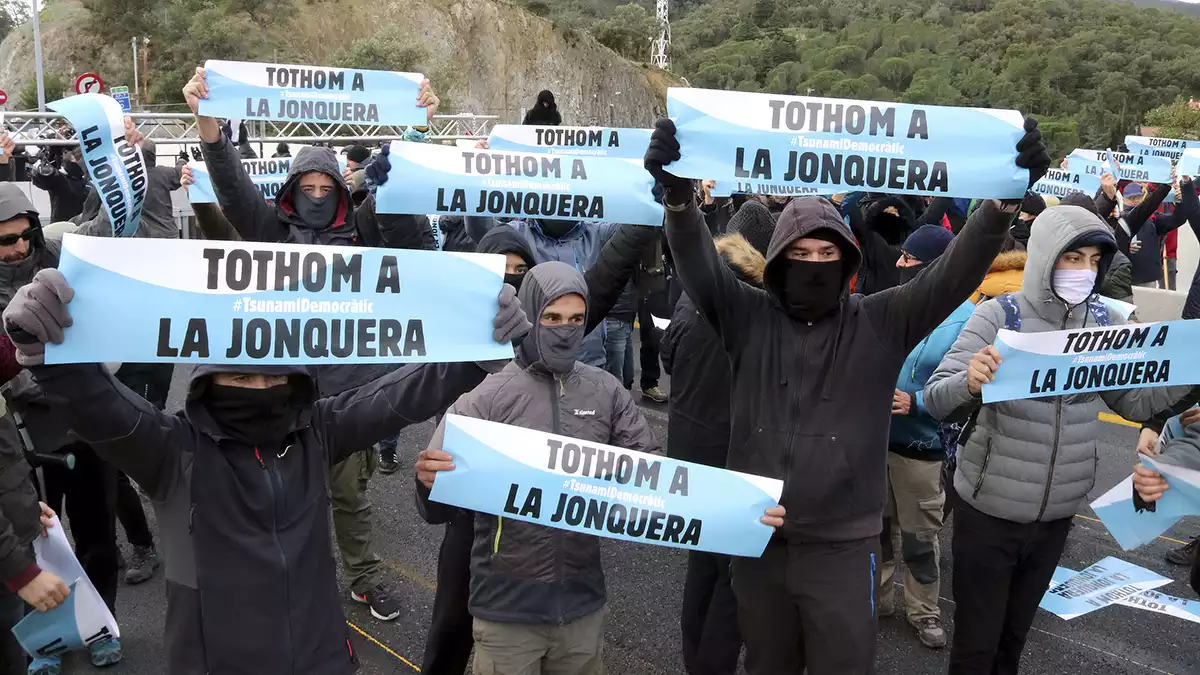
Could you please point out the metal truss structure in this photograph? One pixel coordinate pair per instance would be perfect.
(661, 46)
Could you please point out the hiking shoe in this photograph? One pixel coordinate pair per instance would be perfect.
(107, 653)
(388, 462)
(887, 603)
(142, 565)
(1183, 555)
(47, 666)
(655, 394)
(383, 606)
(930, 631)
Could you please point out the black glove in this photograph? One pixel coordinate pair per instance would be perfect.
(1032, 153)
(664, 149)
(377, 171)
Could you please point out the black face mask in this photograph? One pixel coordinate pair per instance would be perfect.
(893, 229)
(514, 280)
(73, 170)
(258, 417)
(557, 228)
(315, 212)
(907, 274)
(811, 290)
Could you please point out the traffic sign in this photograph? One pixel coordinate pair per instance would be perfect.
(3, 97)
(121, 95)
(89, 83)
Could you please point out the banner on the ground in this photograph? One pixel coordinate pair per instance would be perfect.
(117, 168)
(316, 94)
(163, 301)
(82, 620)
(268, 176)
(427, 178)
(603, 490)
(1099, 586)
(575, 141)
(1074, 361)
(1189, 163)
(1170, 148)
(1131, 167)
(1150, 601)
(772, 142)
(1059, 183)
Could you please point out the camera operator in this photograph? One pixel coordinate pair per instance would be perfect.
(59, 171)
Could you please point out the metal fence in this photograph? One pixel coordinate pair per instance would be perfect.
(52, 129)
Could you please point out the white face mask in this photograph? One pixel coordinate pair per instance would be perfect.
(1074, 286)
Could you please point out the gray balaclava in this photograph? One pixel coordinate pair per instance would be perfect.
(553, 347)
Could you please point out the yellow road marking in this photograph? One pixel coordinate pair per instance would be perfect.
(384, 647)
(1097, 520)
(413, 576)
(1117, 419)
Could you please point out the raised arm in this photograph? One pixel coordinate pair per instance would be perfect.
(238, 197)
(1139, 214)
(616, 265)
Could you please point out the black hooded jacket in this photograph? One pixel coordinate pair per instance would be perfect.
(251, 581)
(811, 401)
(503, 240)
(67, 187)
(391, 230)
(880, 236)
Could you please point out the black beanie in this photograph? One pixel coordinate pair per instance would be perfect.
(755, 223)
(1081, 200)
(928, 243)
(357, 153)
(1033, 204)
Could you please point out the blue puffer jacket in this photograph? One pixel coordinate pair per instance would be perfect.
(915, 435)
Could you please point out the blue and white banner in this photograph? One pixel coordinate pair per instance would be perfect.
(575, 141)
(1169, 148)
(427, 178)
(1139, 168)
(1150, 601)
(770, 142)
(1099, 586)
(1058, 363)
(1059, 183)
(166, 301)
(117, 169)
(1119, 307)
(82, 620)
(597, 489)
(1189, 163)
(289, 93)
(268, 176)
(1132, 528)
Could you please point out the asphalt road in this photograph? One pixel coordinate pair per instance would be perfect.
(645, 585)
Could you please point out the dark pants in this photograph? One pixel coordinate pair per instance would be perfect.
(1001, 571)
(648, 336)
(809, 606)
(131, 514)
(12, 658)
(711, 638)
(90, 490)
(448, 647)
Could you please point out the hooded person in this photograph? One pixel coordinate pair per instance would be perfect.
(1031, 207)
(1138, 228)
(67, 186)
(518, 257)
(881, 225)
(1117, 282)
(537, 593)
(282, 150)
(813, 372)
(1025, 467)
(544, 112)
(357, 157)
(238, 480)
(158, 210)
(698, 427)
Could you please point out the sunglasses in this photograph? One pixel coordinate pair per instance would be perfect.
(11, 239)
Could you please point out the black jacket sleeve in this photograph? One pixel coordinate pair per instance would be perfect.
(904, 315)
(1118, 282)
(616, 265)
(1142, 212)
(390, 230)
(213, 223)
(50, 182)
(1191, 203)
(6, 171)
(238, 197)
(936, 210)
(435, 513)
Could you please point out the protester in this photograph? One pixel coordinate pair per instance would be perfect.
(544, 112)
(1117, 282)
(1182, 451)
(1138, 229)
(205, 472)
(1031, 207)
(158, 211)
(357, 157)
(1013, 514)
(913, 515)
(1004, 276)
(60, 173)
(282, 150)
(814, 371)
(209, 218)
(698, 427)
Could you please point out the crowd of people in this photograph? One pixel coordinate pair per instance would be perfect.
(837, 343)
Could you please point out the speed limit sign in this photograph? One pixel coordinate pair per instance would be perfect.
(89, 83)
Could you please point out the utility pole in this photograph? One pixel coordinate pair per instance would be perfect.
(37, 57)
(137, 97)
(146, 69)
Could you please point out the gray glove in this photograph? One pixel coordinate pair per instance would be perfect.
(37, 315)
(510, 324)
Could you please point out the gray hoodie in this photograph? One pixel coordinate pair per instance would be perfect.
(1034, 459)
(522, 572)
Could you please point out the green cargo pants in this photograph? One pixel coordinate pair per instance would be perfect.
(352, 519)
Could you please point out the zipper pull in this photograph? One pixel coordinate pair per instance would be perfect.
(259, 458)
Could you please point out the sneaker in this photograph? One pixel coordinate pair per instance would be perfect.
(383, 606)
(930, 631)
(1184, 555)
(107, 653)
(655, 394)
(142, 565)
(388, 462)
(46, 666)
(887, 603)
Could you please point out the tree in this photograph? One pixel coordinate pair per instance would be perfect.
(1180, 119)
(385, 50)
(628, 32)
(56, 87)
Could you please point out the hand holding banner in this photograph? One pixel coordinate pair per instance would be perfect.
(1062, 183)
(1130, 167)
(117, 169)
(597, 489)
(165, 301)
(575, 141)
(1171, 148)
(438, 179)
(766, 144)
(290, 93)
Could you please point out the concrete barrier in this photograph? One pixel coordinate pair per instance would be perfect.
(1159, 305)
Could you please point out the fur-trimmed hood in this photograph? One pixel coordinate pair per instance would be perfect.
(1009, 261)
(1004, 276)
(742, 258)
